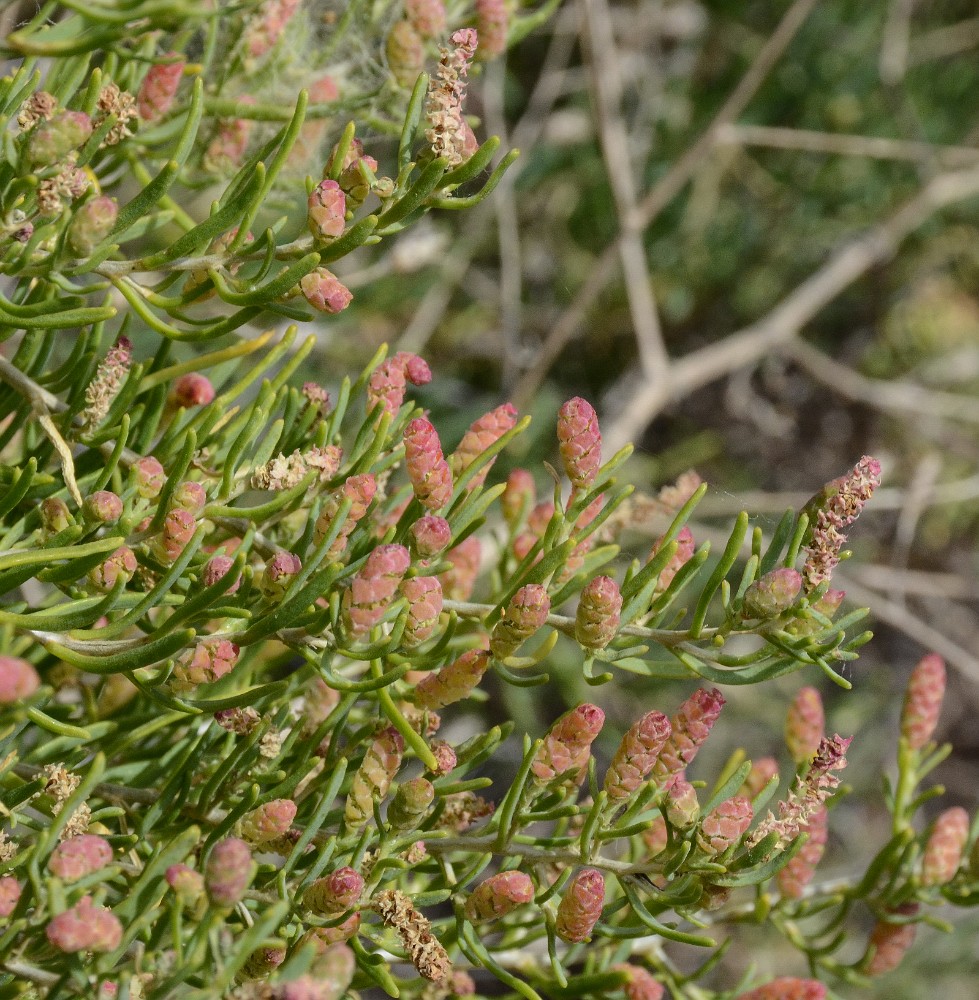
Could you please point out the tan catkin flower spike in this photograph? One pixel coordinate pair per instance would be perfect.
(423, 947)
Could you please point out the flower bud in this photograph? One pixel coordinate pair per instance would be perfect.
(453, 682)
(159, 87)
(772, 594)
(581, 906)
(459, 581)
(10, 890)
(427, 17)
(684, 552)
(332, 971)
(597, 618)
(374, 586)
(18, 679)
(787, 988)
(192, 389)
(524, 615)
(360, 491)
(761, 773)
(410, 804)
(390, 378)
(889, 941)
(326, 206)
(217, 568)
(79, 856)
(84, 927)
(207, 662)
(354, 176)
(179, 527)
(567, 746)
(373, 778)
(424, 594)
(656, 837)
(482, 434)
(261, 962)
(55, 515)
(430, 535)
(640, 983)
(54, 139)
(228, 872)
(682, 807)
(189, 496)
(268, 822)
(427, 469)
(799, 872)
(122, 563)
(91, 224)
(923, 701)
(804, 725)
(498, 896)
(691, 725)
(580, 442)
(636, 755)
(102, 507)
(829, 603)
(405, 53)
(279, 573)
(943, 851)
(491, 26)
(324, 291)
(334, 893)
(185, 882)
(321, 938)
(725, 825)
(520, 495)
(149, 476)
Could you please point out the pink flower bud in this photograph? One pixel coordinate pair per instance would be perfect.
(373, 778)
(189, 496)
(322, 937)
(354, 177)
(149, 477)
(326, 206)
(405, 53)
(390, 378)
(691, 725)
(640, 983)
(185, 882)
(427, 469)
(636, 755)
(319, 700)
(430, 535)
(334, 893)
(498, 896)
(331, 975)
(424, 594)
(923, 701)
(261, 962)
(84, 927)
(410, 804)
(10, 890)
(91, 223)
(102, 507)
(55, 515)
(228, 872)
(656, 837)
(324, 291)
(79, 856)
(772, 594)
(943, 851)
(159, 87)
(453, 682)
(279, 573)
(799, 872)
(427, 17)
(217, 568)
(524, 615)
(567, 746)
(54, 139)
(761, 773)
(122, 563)
(684, 552)
(682, 807)
(18, 679)
(520, 495)
(192, 389)
(445, 757)
(890, 941)
(179, 527)
(459, 581)
(268, 822)
(580, 442)
(597, 618)
(829, 603)
(581, 906)
(725, 825)
(360, 491)
(374, 586)
(491, 26)
(787, 988)
(482, 434)
(804, 725)
(205, 663)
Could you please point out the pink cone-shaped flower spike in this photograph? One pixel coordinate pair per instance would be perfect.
(498, 896)
(335, 893)
(374, 586)
(787, 988)
(799, 872)
(108, 380)
(943, 851)
(149, 477)
(681, 804)
(597, 618)
(122, 563)
(18, 679)
(427, 468)
(360, 491)
(804, 725)
(685, 548)
(178, 529)
(761, 773)
(159, 87)
(520, 495)
(524, 615)
(390, 378)
(491, 24)
(459, 581)
(79, 856)
(10, 890)
(640, 984)
(217, 568)
(228, 872)
(373, 777)
(430, 534)
(185, 882)
(772, 594)
(923, 701)
(410, 804)
(725, 825)
(692, 724)
(891, 941)
(427, 17)
(636, 755)
(482, 434)
(453, 682)
(84, 927)
(91, 224)
(581, 905)
(192, 389)
(580, 441)
(324, 291)
(326, 208)
(279, 573)
(102, 507)
(424, 594)
(567, 747)
(405, 52)
(447, 132)
(268, 822)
